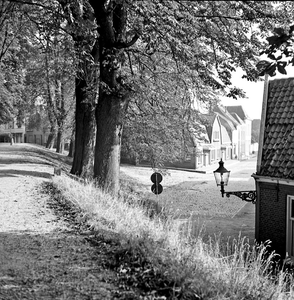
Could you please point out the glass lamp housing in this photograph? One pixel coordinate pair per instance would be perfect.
(221, 174)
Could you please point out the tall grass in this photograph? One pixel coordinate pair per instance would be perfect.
(195, 269)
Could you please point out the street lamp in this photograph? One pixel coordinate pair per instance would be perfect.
(222, 175)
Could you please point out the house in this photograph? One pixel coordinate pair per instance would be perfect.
(229, 135)
(255, 135)
(13, 129)
(223, 133)
(220, 140)
(274, 176)
(34, 132)
(245, 131)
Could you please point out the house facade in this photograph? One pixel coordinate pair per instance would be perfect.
(274, 176)
(245, 129)
(228, 134)
(13, 130)
(22, 134)
(36, 136)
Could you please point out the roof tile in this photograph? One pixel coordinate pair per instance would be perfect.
(278, 145)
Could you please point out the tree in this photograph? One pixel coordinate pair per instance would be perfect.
(81, 27)
(279, 48)
(206, 40)
(49, 77)
(11, 62)
(123, 45)
(6, 108)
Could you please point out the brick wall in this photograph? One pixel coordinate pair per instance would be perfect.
(271, 222)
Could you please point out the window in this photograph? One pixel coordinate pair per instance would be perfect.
(213, 154)
(216, 135)
(290, 226)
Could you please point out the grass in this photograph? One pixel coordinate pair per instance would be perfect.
(163, 263)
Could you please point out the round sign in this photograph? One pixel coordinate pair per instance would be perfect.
(156, 188)
(156, 177)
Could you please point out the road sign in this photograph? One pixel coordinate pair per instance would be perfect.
(156, 188)
(156, 177)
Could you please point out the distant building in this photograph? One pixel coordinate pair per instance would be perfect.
(21, 134)
(228, 134)
(13, 129)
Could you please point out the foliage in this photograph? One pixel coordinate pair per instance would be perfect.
(14, 26)
(279, 48)
(6, 108)
(186, 53)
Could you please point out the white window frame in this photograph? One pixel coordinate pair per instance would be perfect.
(290, 227)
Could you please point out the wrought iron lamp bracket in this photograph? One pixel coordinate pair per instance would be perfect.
(248, 196)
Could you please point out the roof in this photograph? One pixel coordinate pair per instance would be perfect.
(210, 118)
(237, 118)
(239, 110)
(228, 117)
(277, 158)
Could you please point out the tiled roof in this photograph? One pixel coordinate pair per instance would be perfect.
(238, 109)
(210, 120)
(228, 117)
(226, 139)
(278, 147)
(237, 118)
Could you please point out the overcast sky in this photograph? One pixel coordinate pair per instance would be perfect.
(254, 91)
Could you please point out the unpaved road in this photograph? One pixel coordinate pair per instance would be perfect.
(41, 255)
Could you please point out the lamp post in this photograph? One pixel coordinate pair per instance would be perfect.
(222, 175)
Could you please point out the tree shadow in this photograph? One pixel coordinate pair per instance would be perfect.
(52, 265)
(15, 173)
(26, 153)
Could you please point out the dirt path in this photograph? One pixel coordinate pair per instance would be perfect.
(41, 255)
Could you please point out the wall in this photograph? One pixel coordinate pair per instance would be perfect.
(271, 214)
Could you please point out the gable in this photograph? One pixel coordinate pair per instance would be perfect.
(277, 158)
(210, 119)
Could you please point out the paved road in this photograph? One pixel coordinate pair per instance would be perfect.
(243, 222)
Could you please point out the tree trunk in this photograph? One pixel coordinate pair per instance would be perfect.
(51, 139)
(111, 17)
(59, 142)
(85, 132)
(109, 114)
(71, 148)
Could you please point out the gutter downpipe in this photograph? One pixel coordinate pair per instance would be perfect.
(259, 156)
(262, 123)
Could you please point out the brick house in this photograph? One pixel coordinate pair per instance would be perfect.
(275, 168)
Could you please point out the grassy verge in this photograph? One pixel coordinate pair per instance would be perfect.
(162, 263)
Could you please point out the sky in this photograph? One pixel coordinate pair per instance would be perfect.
(254, 92)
